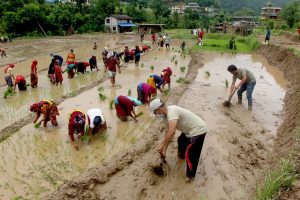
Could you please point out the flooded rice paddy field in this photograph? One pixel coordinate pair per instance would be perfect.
(36, 161)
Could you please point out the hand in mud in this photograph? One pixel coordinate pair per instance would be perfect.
(162, 150)
(136, 120)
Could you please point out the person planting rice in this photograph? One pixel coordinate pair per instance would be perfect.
(9, 77)
(118, 56)
(166, 75)
(71, 57)
(58, 58)
(71, 68)
(153, 38)
(144, 92)
(81, 66)
(146, 48)
(104, 55)
(33, 74)
(58, 73)
(112, 65)
(158, 80)
(21, 82)
(247, 83)
(125, 107)
(3, 53)
(48, 109)
(93, 63)
(76, 125)
(127, 55)
(96, 121)
(95, 46)
(193, 130)
(51, 71)
(137, 55)
(183, 46)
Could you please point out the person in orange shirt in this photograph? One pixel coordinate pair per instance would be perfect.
(48, 109)
(71, 57)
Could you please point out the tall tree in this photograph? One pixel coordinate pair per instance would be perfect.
(291, 13)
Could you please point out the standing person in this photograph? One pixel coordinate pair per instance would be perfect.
(125, 107)
(161, 41)
(153, 37)
(298, 30)
(104, 56)
(247, 82)
(142, 35)
(268, 36)
(183, 46)
(33, 74)
(96, 121)
(167, 42)
(58, 58)
(95, 46)
(48, 109)
(166, 75)
(201, 35)
(158, 81)
(112, 65)
(144, 92)
(127, 56)
(137, 55)
(51, 72)
(21, 82)
(71, 57)
(76, 125)
(193, 130)
(3, 53)
(9, 77)
(58, 73)
(93, 63)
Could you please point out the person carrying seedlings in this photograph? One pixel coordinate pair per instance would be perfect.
(3, 53)
(71, 57)
(76, 125)
(166, 75)
(167, 42)
(193, 130)
(96, 121)
(48, 109)
(58, 73)
(93, 63)
(144, 91)
(247, 83)
(153, 38)
(231, 44)
(9, 77)
(51, 72)
(21, 82)
(137, 55)
(125, 107)
(268, 36)
(33, 74)
(58, 58)
(104, 55)
(158, 82)
(112, 65)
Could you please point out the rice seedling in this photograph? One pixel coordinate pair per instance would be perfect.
(73, 94)
(207, 73)
(102, 96)
(37, 125)
(103, 136)
(101, 89)
(140, 114)
(182, 69)
(152, 67)
(142, 65)
(176, 62)
(226, 83)
(180, 80)
(166, 92)
(111, 104)
(9, 92)
(155, 58)
(129, 92)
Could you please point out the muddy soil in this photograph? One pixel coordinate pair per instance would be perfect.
(235, 153)
(41, 159)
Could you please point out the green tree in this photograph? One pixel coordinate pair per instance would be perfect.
(160, 10)
(291, 13)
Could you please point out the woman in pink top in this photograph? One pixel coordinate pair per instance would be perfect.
(144, 92)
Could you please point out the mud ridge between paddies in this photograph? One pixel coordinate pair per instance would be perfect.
(286, 141)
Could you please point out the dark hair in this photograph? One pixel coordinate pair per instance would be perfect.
(231, 68)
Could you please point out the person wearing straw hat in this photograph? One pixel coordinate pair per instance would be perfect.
(193, 130)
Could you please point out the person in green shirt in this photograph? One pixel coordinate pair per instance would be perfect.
(247, 83)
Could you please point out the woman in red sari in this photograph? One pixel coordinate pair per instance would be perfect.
(33, 74)
(58, 73)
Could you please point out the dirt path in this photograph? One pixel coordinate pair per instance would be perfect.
(234, 158)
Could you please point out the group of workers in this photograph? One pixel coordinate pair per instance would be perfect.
(163, 40)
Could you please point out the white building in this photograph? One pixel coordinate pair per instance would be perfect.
(73, 1)
(178, 9)
(118, 24)
(193, 6)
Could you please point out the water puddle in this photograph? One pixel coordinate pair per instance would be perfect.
(36, 161)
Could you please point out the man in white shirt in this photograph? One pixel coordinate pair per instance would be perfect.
(190, 141)
(96, 121)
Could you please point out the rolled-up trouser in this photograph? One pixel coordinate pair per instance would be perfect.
(190, 149)
(249, 87)
(9, 81)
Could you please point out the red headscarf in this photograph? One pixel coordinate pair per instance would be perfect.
(33, 66)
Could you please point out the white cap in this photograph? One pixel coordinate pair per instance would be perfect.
(111, 54)
(154, 104)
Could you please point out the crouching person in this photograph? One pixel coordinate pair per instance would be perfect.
(96, 121)
(48, 109)
(76, 125)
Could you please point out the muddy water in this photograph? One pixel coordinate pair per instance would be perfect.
(16, 107)
(36, 161)
(236, 146)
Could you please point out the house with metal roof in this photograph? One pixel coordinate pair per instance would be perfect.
(270, 12)
(118, 24)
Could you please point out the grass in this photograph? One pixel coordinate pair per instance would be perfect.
(180, 33)
(182, 69)
(100, 93)
(9, 92)
(226, 83)
(166, 92)
(36, 126)
(180, 80)
(283, 177)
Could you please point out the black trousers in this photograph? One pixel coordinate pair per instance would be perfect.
(190, 149)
